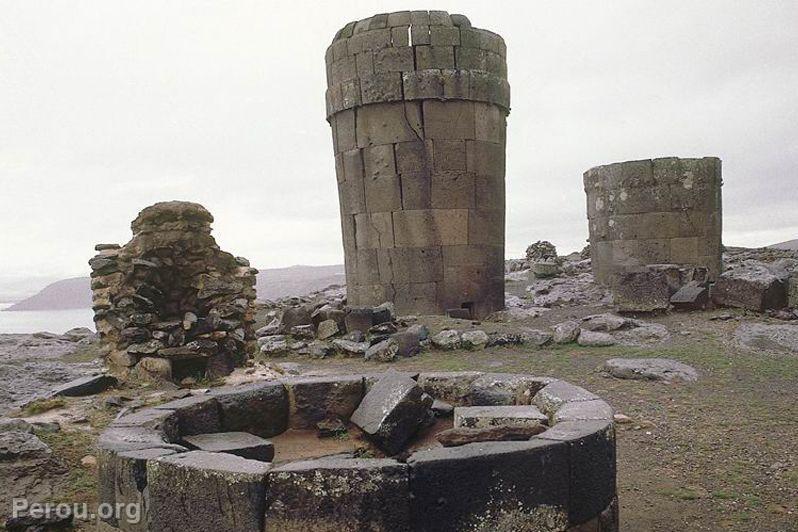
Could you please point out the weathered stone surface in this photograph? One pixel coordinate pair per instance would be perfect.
(392, 411)
(195, 414)
(418, 135)
(566, 332)
(327, 329)
(591, 452)
(409, 343)
(339, 494)
(645, 290)
(359, 319)
(85, 386)
(654, 369)
(207, 491)
(461, 436)
(595, 339)
(240, 444)
(595, 410)
(691, 297)
(474, 339)
(751, 286)
(385, 351)
(313, 399)
(296, 316)
(350, 348)
(496, 389)
(447, 339)
(555, 394)
(476, 417)
(453, 386)
(162, 422)
(490, 486)
(442, 408)
(545, 269)
(770, 338)
(260, 408)
(605, 322)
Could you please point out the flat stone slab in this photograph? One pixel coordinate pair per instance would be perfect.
(240, 444)
(652, 369)
(781, 338)
(392, 411)
(85, 386)
(463, 436)
(207, 491)
(493, 416)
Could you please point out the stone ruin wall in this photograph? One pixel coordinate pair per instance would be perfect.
(654, 211)
(170, 304)
(417, 102)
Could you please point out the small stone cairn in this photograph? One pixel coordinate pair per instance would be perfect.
(170, 304)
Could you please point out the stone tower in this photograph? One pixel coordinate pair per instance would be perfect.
(660, 211)
(417, 102)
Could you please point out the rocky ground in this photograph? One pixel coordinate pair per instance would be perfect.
(712, 450)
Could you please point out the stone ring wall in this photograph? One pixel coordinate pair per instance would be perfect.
(561, 479)
(417, 102)
(654, 211)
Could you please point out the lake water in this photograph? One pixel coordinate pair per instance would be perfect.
(55, 321)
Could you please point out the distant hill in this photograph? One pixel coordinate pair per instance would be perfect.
(297, 280)
(60, 295)
(790, 244)
(272, 284)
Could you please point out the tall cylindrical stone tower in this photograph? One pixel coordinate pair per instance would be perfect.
(417, 102)
(660, 211)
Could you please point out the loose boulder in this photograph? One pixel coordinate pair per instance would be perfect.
(392, 411)
(751, 286)
(653, 369)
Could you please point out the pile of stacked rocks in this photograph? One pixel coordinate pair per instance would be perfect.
(322, 328)
(169, 303)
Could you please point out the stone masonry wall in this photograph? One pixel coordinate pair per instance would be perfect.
(417, 102)
(170, 304)
(654, 211)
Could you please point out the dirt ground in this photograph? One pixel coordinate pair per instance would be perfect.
(719, 454)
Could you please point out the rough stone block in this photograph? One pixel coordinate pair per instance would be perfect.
(314, 399)
(417, 297)
(751, 286)
(195, 414)
(453, 190)
(490, 123)
(449, 155)
(451, 120)
(595, 410)
(260, 408)
(491, 416)
(381, 87)
(425, 228)
(240, 444)
(374, 230)
(591, 450)
(386, 123)
(444, 36)
(161, 422)
(422, 84)
(339, 494)
(419, 34)
(496, 389)
(691, 297)
(428, 57)
(413, 158)
(378, 161)
(411, 265)
(383, 193)
(490, 486)
(207, 491)
(392, 411)
(646, 290)
(394, 59)
(416, 191)
(555, 394)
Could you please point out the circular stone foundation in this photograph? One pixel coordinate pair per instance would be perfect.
(560, 479)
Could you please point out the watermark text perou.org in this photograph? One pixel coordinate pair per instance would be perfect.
(128, 512)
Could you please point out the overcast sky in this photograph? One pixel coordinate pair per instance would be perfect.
(107, 107)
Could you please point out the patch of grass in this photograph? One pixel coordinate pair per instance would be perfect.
(40, 406)
(69, 447)
(724, 495)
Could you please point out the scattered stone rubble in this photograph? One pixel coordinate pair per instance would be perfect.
(169, 303)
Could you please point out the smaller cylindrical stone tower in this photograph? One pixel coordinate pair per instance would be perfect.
(654, 211)
(417, 102)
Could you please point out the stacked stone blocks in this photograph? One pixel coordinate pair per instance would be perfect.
(417, 103)
(170, 304)
(654, 211)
